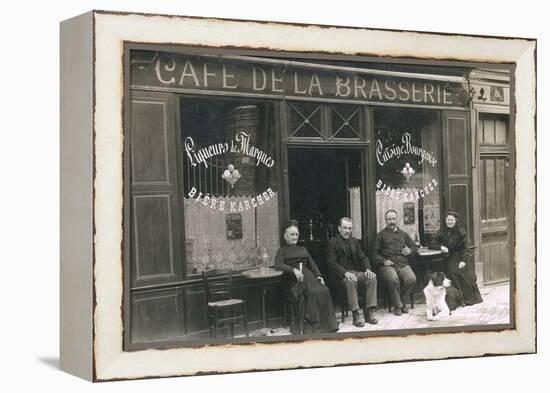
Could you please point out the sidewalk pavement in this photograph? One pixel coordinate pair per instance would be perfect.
(495, 309)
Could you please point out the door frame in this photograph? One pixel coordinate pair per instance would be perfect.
(366, 148)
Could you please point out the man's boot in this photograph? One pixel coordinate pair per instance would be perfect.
(357, 320)
(369, 316)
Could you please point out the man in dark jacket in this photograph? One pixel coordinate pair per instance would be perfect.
(348, 264)
(392, 250)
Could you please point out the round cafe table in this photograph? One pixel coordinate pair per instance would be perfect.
(430, 260)
(263, 275)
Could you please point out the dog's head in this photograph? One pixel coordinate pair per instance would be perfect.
(439, 280)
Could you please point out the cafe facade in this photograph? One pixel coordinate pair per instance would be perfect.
(222, 148)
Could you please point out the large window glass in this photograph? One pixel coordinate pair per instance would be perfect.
(230, 191)
(408, 170)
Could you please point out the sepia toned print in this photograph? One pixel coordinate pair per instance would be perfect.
(303, 196)
(232, 155)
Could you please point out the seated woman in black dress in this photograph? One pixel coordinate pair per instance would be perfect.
(459, 270)
(306, 291)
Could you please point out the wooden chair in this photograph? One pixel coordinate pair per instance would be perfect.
(341, 298)
(383, 287)
(223, 309)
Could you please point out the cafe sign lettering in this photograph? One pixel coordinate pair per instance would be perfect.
(240, 145)
(418, 156)
(187, 73)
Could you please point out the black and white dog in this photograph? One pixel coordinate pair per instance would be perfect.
(435, 292)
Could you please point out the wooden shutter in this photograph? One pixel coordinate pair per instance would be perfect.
(155, 213)
(458, 167)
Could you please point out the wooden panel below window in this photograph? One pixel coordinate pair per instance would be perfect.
(156, 316)
(196, 310)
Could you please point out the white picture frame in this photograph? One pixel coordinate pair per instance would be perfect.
(92, 69)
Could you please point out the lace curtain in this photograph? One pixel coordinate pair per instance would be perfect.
(355, 211)
(207, 245)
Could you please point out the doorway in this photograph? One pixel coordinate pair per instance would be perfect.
(325, 184)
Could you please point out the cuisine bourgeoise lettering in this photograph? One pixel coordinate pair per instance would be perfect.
(396, 151)
(198, 73)
(384, 154)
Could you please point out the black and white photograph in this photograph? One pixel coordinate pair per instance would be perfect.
(289, 196)
(274, 196)
(299, 197)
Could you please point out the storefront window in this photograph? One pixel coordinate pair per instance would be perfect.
(230, 192)
(408, 170)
